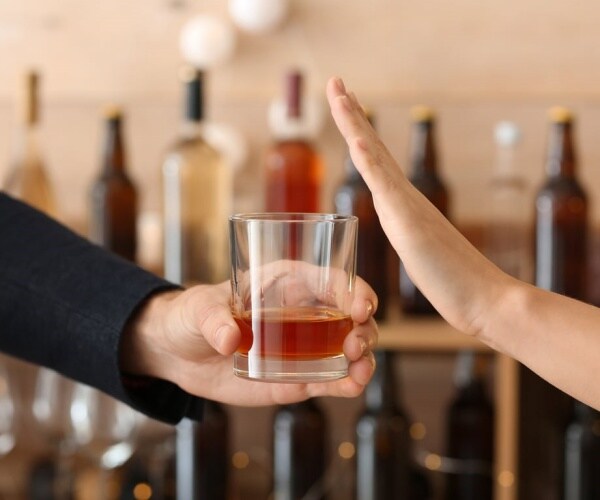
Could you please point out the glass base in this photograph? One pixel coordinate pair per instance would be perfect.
(292, 371)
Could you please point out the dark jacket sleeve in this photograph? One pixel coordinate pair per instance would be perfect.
(64, 303)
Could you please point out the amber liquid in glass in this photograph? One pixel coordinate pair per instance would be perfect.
(300, 333)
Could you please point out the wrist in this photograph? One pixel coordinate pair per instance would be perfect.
(141, 349)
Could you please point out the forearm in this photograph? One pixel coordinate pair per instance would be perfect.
(555, 336)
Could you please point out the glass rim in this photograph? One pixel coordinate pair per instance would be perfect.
(297, 217)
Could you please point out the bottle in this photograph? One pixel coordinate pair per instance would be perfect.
(426, 179)
(113, 196)
(561, 219)
(299, 451)
(384, 467)
(470, 432)
(197, 198)
(561, 215)
(353, 197)
(293, 168)
(507, 241)
(212, 452)
(582, 455)
(28, 178)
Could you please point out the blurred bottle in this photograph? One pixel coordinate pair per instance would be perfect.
(299, 451)
(470, 432)
(561, 215)
(42, 481)
(353, 197)
(293, 168)
(384, 468)
(582, 455)
(426, 179)
(28, 179)
(113, 196)
(507, 241)
(197, 198)
(561, 229)
(212, 452)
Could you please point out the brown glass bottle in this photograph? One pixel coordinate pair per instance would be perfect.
(383, 450)
(113, 194)
(299, 451)
(425, 177)
(293, 168)
(470, 433)
(561, 215)
(582, 455)
(353, 197)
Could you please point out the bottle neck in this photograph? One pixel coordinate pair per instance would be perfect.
(561, 160)
(114, 150)
(27, 146)
(381, 393)
(424, 155)
(191, 129)
(505, 166)
(469, 375)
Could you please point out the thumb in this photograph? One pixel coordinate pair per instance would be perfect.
(212, 317)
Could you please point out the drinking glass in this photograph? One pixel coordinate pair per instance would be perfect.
(51, 404)
(104, 431)
(292, 279)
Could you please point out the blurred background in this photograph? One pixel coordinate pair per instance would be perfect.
(474, 63)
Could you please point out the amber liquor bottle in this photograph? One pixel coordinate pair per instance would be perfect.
(113, 196)
(353, 197)
(425, 177)
(293, 168)
(561, 229)
(299, 451)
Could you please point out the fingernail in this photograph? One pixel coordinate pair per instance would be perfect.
(370, 308)
(340, 85)
(363, 346)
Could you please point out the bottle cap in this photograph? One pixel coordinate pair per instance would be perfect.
(112, 112)
(422, 113)
(293, 89)
(507, 133)
(559, 114)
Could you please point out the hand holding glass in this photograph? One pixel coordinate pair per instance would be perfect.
(293, 284)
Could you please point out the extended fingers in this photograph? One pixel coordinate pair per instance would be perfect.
(369, 154)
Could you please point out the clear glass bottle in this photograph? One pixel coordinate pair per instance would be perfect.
(113, 196)
(507, 235)
(197, 198)
(28, 178)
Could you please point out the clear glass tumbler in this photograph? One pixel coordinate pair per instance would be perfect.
(292, 280)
